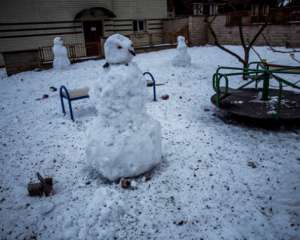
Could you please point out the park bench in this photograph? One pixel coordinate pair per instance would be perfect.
(81, 93)
(72, 95)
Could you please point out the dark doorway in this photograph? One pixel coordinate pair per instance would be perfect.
(93, 31)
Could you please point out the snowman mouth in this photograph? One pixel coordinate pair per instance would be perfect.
(132, 52)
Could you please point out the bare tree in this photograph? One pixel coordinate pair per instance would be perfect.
(290, 51)
(292, 55)
(246, 45)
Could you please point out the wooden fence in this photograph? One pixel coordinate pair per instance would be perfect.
(75, 51)
(275, 16)
(172, 36)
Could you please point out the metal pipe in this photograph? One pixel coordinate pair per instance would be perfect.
(153, 85)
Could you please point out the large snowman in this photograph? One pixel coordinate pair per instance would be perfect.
(123, 141)
(60, 54)
(182, 58)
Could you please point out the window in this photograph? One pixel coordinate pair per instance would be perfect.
(214, 9)
(265, 10)
(260, 10)
(198, 9)
(139, 25)
(254, 10)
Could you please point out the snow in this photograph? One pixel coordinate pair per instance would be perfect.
(285, 2)
(99, 217)
(182, 58)
(204, 188)
(124, 141)
(2, 73)
(60, 54)
(118, 49)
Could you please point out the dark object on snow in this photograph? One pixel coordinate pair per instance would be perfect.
(252, 164)
(153, 84)
(180, 223)
(165, 97)
(147, 176)
(150, 83)
(106, 65)
(125, 183)
(73, 95)
(45, 186)
(45, 96)
(35, 189)
(53, 89)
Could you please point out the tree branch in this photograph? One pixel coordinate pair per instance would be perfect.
(292, 55)
(261, 29)
(257, 54)
(214, 35)
(276, 50)
(242, 35)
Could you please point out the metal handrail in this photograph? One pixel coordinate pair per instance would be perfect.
(265, 74)
(153, 85)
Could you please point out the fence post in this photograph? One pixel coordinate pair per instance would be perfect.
(40, 56)
(150, 40)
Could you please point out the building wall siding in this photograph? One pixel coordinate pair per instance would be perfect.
(32, 36)
(198, 32)
(33, 11)
(278, 35)
(36, 42)
(30, 24)
(20, 11)
(140, 9)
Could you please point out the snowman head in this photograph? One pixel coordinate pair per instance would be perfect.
(58, 41)
(181, 42)
(118, 49)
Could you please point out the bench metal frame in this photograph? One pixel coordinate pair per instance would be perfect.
(64, 94)
(153, 85)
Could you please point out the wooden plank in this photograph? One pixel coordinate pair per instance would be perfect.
(19, 61)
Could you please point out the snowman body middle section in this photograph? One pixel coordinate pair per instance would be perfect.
(60, 54)
(124, 140)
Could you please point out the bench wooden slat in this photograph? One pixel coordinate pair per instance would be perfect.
(78, 93)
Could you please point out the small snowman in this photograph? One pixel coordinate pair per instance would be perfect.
(182, 58)
(60, 54)
(123, 141)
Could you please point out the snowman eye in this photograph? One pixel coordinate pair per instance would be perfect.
(119, 47)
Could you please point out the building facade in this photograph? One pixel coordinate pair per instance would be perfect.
(27, 25)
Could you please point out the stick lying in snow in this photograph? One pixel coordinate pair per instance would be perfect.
(45, 186)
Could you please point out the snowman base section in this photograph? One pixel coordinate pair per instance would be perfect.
(129, 153)
(61, 63)
(182, 60)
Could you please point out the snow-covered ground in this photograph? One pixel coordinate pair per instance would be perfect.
(204, 189)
